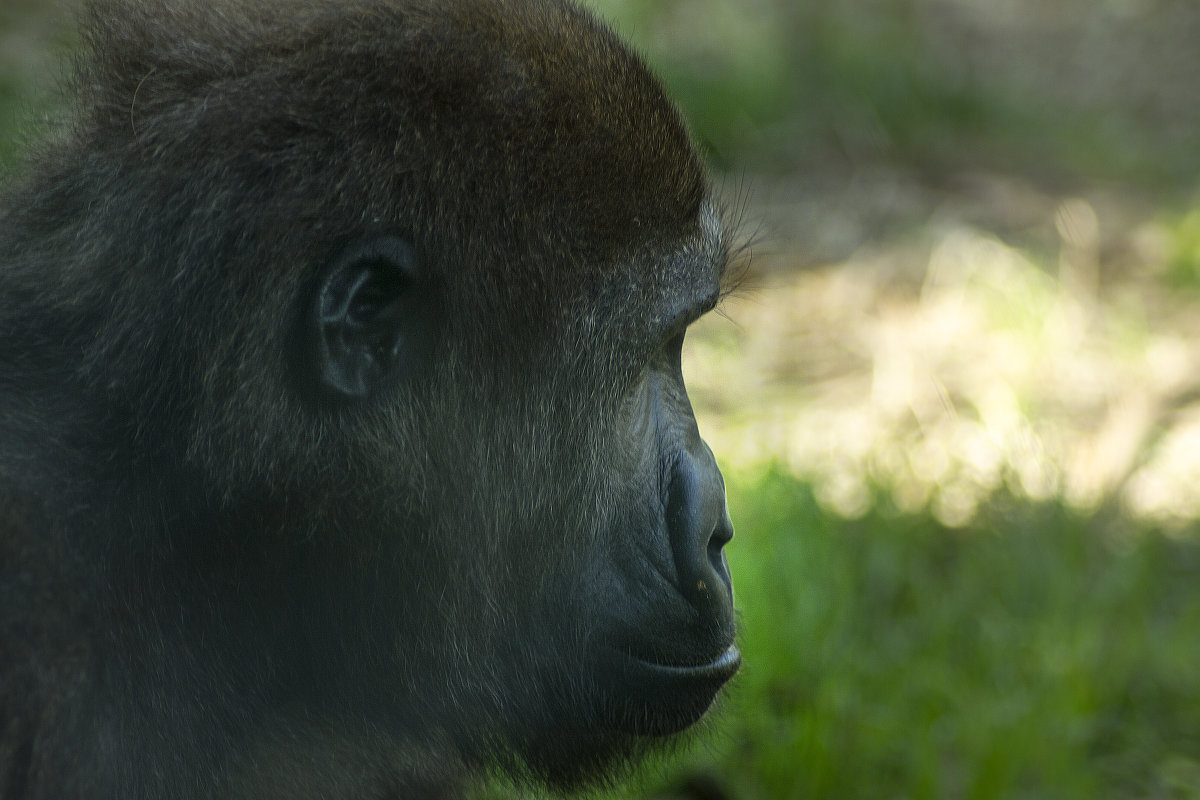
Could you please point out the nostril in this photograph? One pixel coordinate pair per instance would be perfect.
(722, 532)
(721, 535)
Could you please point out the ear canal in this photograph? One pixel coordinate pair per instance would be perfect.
(359, 315)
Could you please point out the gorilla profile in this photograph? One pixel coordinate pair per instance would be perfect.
(344, 450)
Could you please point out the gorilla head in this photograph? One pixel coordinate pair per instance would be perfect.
(344, 449)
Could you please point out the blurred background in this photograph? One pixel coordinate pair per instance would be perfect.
(956, 398)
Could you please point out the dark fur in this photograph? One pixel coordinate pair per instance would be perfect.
(218, 581)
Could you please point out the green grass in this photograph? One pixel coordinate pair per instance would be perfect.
(1183, 259)
(1037, 654)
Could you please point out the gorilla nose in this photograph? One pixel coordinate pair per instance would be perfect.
(700, 528)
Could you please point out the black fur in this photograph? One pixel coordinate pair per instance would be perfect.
(343, 446)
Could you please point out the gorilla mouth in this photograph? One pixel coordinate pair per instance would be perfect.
(720, 669)
(657, 699)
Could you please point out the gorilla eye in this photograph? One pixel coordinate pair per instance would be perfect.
(675, 344)
(685, 317)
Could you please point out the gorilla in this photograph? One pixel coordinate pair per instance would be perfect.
(344, 448)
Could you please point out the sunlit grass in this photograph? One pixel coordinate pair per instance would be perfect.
(990, 370)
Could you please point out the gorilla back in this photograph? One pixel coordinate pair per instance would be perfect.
(344, 449)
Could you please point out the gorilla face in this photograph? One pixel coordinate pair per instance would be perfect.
(534, 326)
(591, 547)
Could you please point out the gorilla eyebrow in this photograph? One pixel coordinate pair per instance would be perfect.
(713, 250)
(696, 270)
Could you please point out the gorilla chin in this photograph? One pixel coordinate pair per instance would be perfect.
(649, 698)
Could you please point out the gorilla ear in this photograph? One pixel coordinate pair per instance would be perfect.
(362, 315)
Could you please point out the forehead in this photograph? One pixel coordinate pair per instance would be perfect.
(516, 100)
(549, 117)
(510, 124)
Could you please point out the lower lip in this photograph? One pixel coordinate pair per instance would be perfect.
(722, 668)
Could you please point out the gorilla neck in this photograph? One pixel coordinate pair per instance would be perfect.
(287, 628)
